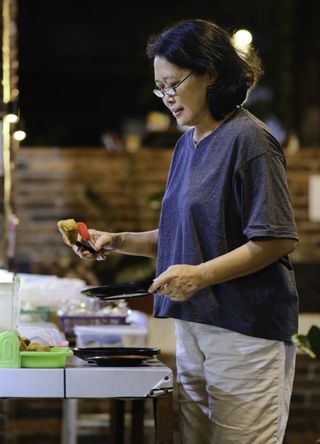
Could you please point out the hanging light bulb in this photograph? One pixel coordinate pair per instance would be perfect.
(12, 118)
(19, 132)
(242, 39)
(19, 135)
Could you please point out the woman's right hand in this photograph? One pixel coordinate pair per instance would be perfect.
(102, 241)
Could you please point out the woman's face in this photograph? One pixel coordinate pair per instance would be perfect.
(189, 106)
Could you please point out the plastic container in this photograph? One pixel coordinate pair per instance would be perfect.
(46, 333)
(111, 335)
(68, 322)
(55, 358)
(9, 304)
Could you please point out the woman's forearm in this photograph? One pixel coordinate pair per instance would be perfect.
(245, 260)
(138, 244)
(181, 281)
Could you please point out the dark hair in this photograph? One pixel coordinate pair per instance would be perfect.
(203, 46)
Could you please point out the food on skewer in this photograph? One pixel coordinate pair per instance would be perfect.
(69, 230)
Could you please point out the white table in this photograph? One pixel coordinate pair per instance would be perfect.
(81, 380)
(89, 381)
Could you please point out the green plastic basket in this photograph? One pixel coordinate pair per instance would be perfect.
(55, 358)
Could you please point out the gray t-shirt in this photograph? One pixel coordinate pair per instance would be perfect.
(231, 189)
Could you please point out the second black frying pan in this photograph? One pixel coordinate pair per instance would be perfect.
(119, 291)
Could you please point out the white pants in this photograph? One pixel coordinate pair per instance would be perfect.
(233, 388)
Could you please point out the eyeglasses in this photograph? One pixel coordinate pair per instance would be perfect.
(170, 90)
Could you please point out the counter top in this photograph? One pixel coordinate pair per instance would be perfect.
(79, 380)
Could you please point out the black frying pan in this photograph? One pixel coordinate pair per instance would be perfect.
(119, 291)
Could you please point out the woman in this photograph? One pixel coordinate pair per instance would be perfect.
(225, 231)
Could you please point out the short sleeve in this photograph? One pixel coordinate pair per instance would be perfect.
(263, 199)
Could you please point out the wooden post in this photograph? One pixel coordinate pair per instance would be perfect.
(163, 417)
(9, 95)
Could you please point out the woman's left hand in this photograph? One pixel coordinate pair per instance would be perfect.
(179, 282)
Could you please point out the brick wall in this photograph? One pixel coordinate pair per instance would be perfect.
(299, 167)
(304, 420)
(118, 191)
(114, 191)
(109, 191)
(122, 191)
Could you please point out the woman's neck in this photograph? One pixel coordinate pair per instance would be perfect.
(207, 127)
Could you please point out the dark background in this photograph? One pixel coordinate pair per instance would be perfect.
(83, 68)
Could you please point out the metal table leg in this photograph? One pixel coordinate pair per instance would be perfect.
(69, 421)
(137, 424)
(117, 421)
